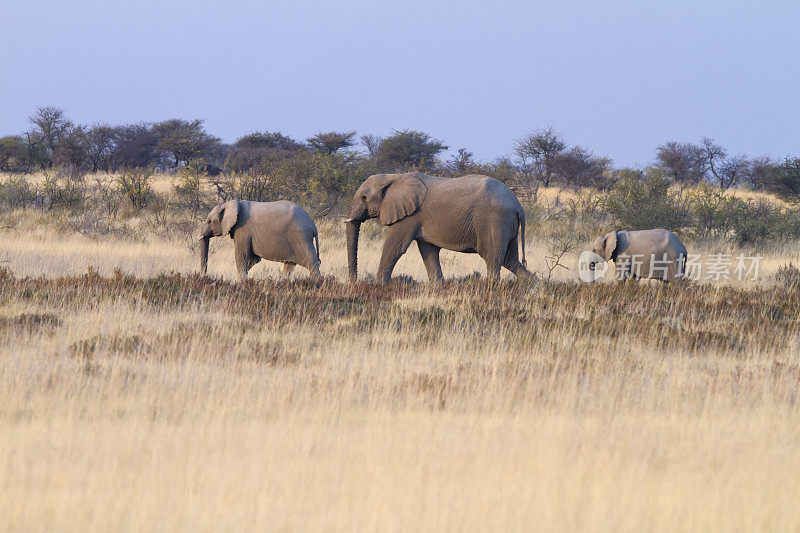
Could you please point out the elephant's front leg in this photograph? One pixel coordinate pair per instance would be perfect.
(430, 256)
(398, 239)
(245, 258)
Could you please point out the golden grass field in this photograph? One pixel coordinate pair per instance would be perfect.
(152, 399)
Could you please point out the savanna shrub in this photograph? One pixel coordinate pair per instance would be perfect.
(712, 212)
(61, 189)
(189, 190)
(644, 200)
(759, 221)
(784, 180)
(16, 191)
(332, 179)
(320, 182)
(135, 184)
(108, 196)
(754, 221)
(256, 185)
(789, 223)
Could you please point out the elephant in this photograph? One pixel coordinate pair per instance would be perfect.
(275, 231)
(653, 253)
(470, 214)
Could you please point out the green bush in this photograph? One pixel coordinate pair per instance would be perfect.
(189, 190)
(322, 183)
(644, 200)
(760, 221)
(332, 179)
(135, 184)
(409, 150)
(712, 212)
(256, 185)
(754, 222)
(784, 180)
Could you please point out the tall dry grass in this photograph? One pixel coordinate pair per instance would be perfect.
(132, 398)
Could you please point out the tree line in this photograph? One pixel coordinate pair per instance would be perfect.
(540, 158)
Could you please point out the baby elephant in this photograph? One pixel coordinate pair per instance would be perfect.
(653, 253)
(275, 231)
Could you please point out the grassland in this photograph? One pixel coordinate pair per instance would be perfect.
(139, 396)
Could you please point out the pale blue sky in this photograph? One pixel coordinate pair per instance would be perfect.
(617, 77)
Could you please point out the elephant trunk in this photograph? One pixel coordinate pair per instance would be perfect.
(204, 254)
(352, 229)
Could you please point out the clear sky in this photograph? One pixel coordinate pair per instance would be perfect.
(617, 77)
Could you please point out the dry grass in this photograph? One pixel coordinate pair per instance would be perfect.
(143, 400)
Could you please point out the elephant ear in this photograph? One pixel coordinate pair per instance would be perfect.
(229, 216)
(609, 245)
(401, 198)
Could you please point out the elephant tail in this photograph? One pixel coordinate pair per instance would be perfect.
(522, 237)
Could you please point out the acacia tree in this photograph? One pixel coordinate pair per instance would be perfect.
(184, 140)
(100, 139)
(459, 163)
(536, 154)
(136, 146)
(50, 128)
(331, 142)
(72, 151)
(759, 170)
(409, 150)
(579, 167)
(255, 149)
(733, 171)
(371, 143)
(13, 154)
(726, 170)
(715, 157)
(683, 162)
(784, 179)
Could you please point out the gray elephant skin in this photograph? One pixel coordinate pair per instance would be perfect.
(653, 253)
(471, 214)
(276, 231)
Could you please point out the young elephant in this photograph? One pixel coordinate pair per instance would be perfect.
(653, 253)
(275, 231)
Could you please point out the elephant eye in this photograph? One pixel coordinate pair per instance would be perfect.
(364, 197)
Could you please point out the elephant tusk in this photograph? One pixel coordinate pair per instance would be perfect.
(348, 220)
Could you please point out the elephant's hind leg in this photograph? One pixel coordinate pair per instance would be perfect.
(313, 268)
(512, 262)
(493, 263)
(492, 245)
(309, 258)
(430, 256)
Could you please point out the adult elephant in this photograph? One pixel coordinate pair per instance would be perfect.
(471, 214)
